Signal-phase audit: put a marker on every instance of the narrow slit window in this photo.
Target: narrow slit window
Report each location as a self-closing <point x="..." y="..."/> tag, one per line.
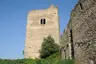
<point x="81" y="6"/>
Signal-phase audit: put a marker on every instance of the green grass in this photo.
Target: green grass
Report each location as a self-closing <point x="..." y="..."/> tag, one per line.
<point x="53" y="59"/>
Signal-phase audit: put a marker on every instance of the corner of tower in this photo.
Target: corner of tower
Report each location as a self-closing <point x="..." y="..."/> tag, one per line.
<point x="53" y="6"/>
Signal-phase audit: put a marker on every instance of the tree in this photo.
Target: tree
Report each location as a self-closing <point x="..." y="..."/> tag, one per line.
<point x="48" y="47"/>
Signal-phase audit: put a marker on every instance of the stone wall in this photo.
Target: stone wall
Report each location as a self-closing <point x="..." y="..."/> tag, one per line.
<point x="83" y="25"/>
<point x="64" y="41"/>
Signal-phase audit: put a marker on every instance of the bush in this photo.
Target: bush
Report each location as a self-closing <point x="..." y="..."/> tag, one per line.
<point x="49" y="47"/>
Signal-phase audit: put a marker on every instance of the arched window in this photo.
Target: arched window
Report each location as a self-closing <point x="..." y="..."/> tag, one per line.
<point x="43" y="21"/>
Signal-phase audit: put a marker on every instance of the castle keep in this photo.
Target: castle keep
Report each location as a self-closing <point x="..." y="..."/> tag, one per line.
<point x="40" y="24"/>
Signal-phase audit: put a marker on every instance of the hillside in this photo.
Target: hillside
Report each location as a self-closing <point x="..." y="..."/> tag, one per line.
<point x="53" y="59"/>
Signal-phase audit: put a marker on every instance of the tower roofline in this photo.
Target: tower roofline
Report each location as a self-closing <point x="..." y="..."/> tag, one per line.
<point x="53" y="6"/>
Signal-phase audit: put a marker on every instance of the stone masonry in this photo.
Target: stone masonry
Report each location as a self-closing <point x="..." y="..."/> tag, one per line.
<point x="40" y="24"/>
<point x="83" y="25"/>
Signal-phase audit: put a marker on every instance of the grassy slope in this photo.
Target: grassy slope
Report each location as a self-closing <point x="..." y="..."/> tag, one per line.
<point x="53" y="59"/>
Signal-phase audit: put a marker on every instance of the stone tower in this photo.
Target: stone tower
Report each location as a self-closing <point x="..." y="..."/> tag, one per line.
<point x="40" y="24"/>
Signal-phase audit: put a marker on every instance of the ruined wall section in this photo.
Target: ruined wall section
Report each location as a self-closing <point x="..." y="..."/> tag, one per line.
<point x="64" y="41"/>
<point x="83" y="18"/>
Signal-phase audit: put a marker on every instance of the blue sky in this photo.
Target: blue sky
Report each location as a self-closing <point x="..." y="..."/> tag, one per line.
<point x="13" y="16"/>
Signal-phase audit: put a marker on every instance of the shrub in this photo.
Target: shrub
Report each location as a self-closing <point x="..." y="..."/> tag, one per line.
<point x="49" y="47"/>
